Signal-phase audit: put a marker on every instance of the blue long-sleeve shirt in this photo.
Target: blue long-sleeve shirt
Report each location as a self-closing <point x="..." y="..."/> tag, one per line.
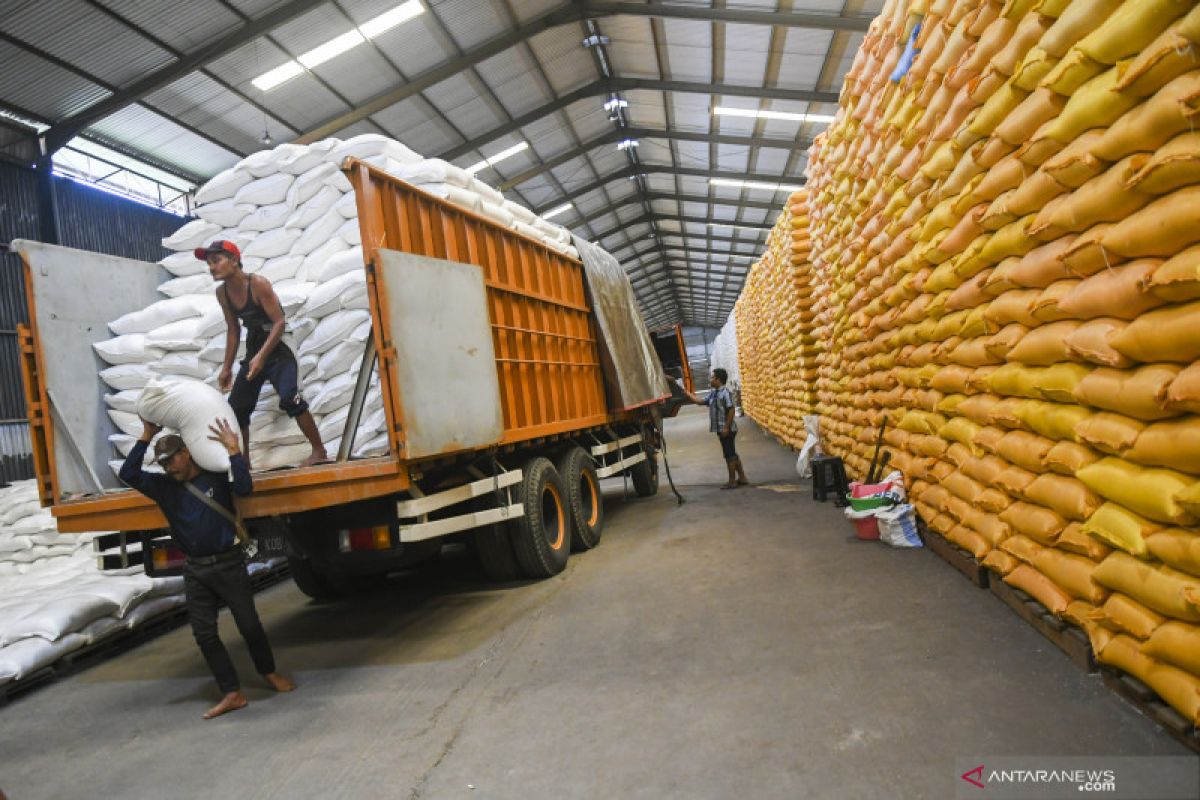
<point x="195" y="527"/>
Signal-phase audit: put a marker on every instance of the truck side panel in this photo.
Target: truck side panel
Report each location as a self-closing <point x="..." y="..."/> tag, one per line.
<point x="546" y="354"/>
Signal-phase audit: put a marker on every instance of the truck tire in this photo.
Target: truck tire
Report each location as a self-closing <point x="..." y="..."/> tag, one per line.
<point x="494" y="549"/>
<point x="644" y="474"/>
<point x="584" y="499"/>
<point x="541" y="539"/>
<point x="312" y="582"/>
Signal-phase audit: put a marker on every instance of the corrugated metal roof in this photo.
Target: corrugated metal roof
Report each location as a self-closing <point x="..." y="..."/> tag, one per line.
<point x="469" y="22"/>
<point x="184" y="26"/>
<point x="36" y="85"/>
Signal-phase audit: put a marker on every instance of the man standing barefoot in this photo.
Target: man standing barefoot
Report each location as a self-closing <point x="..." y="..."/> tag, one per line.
<point x="199" y="507"/>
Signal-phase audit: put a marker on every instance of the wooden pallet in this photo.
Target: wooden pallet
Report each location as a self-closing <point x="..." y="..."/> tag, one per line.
<point x="1142" y="697"/>
<point x="955" y="556"/>
<point x="1066" y="637"/>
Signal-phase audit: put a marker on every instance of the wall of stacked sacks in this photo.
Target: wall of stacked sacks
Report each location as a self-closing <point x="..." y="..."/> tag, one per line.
<point x="777" y="351"/>
<point x="1006" y="262"/>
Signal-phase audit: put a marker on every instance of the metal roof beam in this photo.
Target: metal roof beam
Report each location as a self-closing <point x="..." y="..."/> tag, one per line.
<point x="658" y="169"/>
<point x="648" y="133"/>
<point x="683" y="198"/>
<point x="598" y="8"/>
<point x="645" y="218"/>
<point x="603" y="88"/>
<point x="66" y="129"/>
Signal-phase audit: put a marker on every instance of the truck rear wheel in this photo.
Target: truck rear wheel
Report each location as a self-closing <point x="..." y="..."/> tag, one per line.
<point x="312" y="582"/>
<point x="584" y="499"/>
<point x="541" y="539"/>
<point x="644" y="474"/>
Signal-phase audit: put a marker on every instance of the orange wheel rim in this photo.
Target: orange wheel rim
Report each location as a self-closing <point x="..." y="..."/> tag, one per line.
<point x="559" y="523"/>
<point x="591" y="493"/>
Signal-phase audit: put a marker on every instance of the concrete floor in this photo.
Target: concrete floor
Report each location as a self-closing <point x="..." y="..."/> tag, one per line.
<point x="742" y="645"/>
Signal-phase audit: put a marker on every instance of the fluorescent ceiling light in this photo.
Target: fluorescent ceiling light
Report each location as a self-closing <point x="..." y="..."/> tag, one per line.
<point x="339" y="44"/>
<point x="769" y="187"/>
<point x="727" y="111"/>
<point x="615" y="103"/>
<point x="496" y="159"/>
<point x="625" y="144"/>
<point x="554" y="212"/>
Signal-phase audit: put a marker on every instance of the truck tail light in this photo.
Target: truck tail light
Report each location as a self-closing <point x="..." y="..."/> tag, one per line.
<point x="377" y="537"/>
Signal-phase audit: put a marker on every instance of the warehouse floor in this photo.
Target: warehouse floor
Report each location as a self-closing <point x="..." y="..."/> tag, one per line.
<point x="742" y="645"/>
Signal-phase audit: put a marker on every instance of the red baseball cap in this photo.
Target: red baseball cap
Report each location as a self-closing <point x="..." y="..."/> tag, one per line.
<point x="219" y="246"/>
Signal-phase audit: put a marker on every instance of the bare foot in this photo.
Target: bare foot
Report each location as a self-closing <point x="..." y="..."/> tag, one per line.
<point x="278" y="682"/>
<point x="230" y="702"/>
<point x="316" y="457"/>
<point x="729" y="486"/>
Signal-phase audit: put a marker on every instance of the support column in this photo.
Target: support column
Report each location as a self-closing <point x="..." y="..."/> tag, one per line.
<point x="48" y="229"/>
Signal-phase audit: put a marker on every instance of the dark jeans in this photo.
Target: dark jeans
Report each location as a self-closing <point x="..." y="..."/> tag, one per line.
<point x="283" y="372"/>
<point x="727" y="447"/>
<point x="206" y="586"/>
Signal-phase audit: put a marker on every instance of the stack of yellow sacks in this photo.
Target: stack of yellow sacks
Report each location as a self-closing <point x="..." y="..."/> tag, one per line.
<point x="777" y="362"/>
<point x="1005" y="261"/>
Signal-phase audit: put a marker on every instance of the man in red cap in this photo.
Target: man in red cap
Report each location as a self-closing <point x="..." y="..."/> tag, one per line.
<point x="249" y="300"/>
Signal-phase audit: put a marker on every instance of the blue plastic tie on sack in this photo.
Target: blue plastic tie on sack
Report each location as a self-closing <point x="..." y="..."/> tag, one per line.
<point x="908" y="56"/>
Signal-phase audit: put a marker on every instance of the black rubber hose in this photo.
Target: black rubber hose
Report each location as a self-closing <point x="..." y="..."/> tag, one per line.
<point x="666" y="463"/>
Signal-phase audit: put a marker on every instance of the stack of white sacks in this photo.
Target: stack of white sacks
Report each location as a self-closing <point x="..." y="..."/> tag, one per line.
<point x="293" y="214"/>
<point x="724" y="351"/>
<point x="53" y="598"/>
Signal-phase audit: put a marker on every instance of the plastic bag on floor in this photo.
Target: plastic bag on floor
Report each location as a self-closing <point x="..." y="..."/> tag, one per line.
<point x="812" y="446"/>
<point x="898" y="526"/>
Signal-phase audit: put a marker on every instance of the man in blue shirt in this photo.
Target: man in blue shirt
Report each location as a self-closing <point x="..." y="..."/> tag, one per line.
<point x="721" y="411"/>
<point x="215" y="571"/>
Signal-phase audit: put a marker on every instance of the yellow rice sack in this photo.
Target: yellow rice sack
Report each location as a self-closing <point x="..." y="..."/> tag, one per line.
<point x="1075" y="165"/>
<point x="1170" y="111"/>
<point x="1173" y="166"/>
<point x="1184" y="392"/>
<point x="1074" y="540"/>
<point x="1174" y="444"/>
<point x="1131" y="27"/>
<point x="1066" y="458"/>
<point x="1055" y="421"/>
<point x="1071" y="573"/>
<point x="1123" y="614"/>
<point x="1026" y="450"/>
<point x="1140" y="393"/>
<point x="1045" y="345"/>
<point x="1179" y="688"/>
<point x="1164" y="334"/>
<point x="1176" y="548"/>
<point x="1109" y="432"/>
<point x="1148" y="491"/>
<point x="968" y="540"/>
<point x="1168" y="591"/>
<point x="1096" y="104"/>
<point x="1039" y="587"/>
<point x="1076" y="21"/>
<point x="1163" y="228"/>
<point x="1000" y="562"/>
<point x="1176" y="643"/>
<point x="1120" y="528"/>
<point x="1113" y="292"/>
<point x="1058" y="382"/>
<point x="1090" y="342"/>
<point x="1068" y="497"/>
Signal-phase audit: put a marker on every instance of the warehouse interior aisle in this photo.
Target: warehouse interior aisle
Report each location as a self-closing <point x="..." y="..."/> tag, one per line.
<point x="740" y="645"/>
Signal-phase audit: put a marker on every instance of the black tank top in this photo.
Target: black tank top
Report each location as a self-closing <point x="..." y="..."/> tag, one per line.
<point x="255" y="320"/>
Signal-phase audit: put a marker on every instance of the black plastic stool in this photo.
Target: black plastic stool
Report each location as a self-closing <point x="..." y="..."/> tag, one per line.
<point x="829" y="475"/>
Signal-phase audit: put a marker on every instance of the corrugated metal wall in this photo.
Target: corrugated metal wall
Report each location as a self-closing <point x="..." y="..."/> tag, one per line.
<point x="89" y="219"/>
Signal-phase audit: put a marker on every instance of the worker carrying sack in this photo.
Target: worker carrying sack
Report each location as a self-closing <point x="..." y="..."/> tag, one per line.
<point x="248" y="545"/>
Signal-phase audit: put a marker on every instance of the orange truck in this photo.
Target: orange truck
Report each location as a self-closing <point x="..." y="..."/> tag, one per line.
<point x="514" y="379"/>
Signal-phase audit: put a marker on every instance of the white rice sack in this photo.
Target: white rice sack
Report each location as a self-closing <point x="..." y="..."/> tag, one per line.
<point x="191" y="235"/>
<point x="123" y="443"/>
<point x="187" y="334"/>
<point x="325" y="298"/>
<point x="58" y="617"/>
<point x="162" y="313"/>
<point x="309" y="184"/>
<point x="350" y="232"/>
<point x="300" y="327"/>
<point x="368" y="145"/>
<point x="150" y="608"/>
<point x="189" y="407"/>
<point x="126" y="423"/>
<point x="331" y="330"/>
<point x="339" y="181"/>
<point x="264" y="218"/>
<point x="201" y="283"/>
<point x="527" y="230"/>
<point x="227" y="213"/>
<point x="214" y="349"/>
<point x="282" y="430"/>
<point x="29" y="655"/>
<point x="486" y="193"/>
<point x="184" y="264"/>
<point x="282" y="268"/>
<point x="339" y="359"/>
<point x="296" y="159"/>
<point x="100" y="629"/>
<point x="183" y="364"/>
<point x="360" y="334"/>
<point x="464" y="198"/>
<point x="356" y="295"/>
<point x="127" y="376"/>
<point x="222" y="185"/>
<point x="264" y="419"/>
<point x="547" y="228"/>
<point x="276" y="457"/>
<point x="336" y="393"/>
<point x="336" y="264"/>
<point x="435" y="170"/>
<point x="252" y="263"/>
<point x="127" y="349"/>
<point x="123" y="401"/>
<point x="265" y="191"/>
<point x="260" y="164"/>
<point x="125" y="591"/>
<point x="347" y="206"/>
<point x="306" y="367"/>
<point x="498" y="214"/>
<point x="332" y="425"/>
<point x="312" y="209"/>
<point x="520" y="212"/>
<point x="375" y="446"/>
<point x="272" y="243"/>
<point x="292" y="296"/>
<point x="318" y="233"/>
<point x="314" y="262"/>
